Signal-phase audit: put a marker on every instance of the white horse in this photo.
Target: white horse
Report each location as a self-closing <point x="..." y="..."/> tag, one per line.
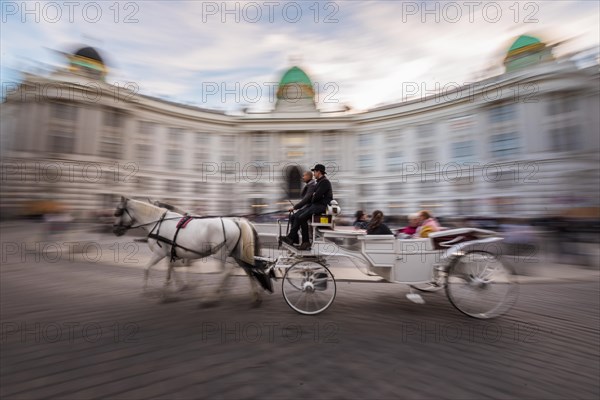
<point x="221" y="237"/>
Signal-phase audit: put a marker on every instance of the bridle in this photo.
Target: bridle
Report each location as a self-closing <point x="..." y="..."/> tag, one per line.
<point x="122" y="209"/>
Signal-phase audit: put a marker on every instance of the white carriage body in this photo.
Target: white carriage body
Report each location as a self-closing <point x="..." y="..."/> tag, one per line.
<point x="408" y="261"/>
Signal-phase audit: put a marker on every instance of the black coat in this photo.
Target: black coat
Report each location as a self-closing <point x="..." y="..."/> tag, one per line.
<point x="323" y="192"/>
<point x="380" y="230"/>
<point x="307" y="193"/>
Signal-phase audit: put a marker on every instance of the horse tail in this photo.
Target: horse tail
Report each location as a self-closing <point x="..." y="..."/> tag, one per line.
<point x="248" y="245"/>
<point x="256" y="241"/>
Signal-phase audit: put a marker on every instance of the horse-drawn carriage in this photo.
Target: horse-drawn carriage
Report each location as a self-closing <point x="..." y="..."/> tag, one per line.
<point x="465" y="262"/>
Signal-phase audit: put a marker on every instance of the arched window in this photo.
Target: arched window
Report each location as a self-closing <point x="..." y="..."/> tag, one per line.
<point x="294" y="182"/>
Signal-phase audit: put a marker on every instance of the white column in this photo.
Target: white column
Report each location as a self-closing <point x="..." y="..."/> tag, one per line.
<point x="89" y="130"/>
<point x="128" y="133"/>
<point x="160" y="158"/>
<point x="530" y="126"/>
<point x="43" y="119"/>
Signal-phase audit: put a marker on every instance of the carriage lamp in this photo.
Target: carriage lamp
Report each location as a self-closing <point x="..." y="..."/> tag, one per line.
<point x="333" y="208"/>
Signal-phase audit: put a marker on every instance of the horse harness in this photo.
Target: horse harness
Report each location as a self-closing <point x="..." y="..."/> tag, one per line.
<point x="183" y="222"/>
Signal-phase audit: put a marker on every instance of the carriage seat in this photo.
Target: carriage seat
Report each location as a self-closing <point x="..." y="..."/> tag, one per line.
<point x="447" y="238"/>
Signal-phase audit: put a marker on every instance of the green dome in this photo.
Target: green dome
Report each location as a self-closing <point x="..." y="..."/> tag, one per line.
<point x="523" y="41"/>
<point x="526" y="51"/>
<point x="295" y="75"/>
<point x="294" y="85"/>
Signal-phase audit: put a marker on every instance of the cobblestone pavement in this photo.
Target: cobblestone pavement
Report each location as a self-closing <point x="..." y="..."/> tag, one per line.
<point x="76" y="330"/>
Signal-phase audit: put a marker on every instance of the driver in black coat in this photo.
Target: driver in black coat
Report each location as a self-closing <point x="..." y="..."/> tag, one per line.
<point x="307" y="192"/>
<point x="318" y="205"/>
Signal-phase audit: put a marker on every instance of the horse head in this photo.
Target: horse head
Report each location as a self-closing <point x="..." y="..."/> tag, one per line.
<point x="124" y="219"/>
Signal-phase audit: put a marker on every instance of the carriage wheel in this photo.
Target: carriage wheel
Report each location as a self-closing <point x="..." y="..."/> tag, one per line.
<point x="308" y="287"/>
<point x="481" y="286"/>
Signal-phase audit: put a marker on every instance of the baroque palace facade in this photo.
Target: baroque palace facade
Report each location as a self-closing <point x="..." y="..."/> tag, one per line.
<point x="524" y="143"/>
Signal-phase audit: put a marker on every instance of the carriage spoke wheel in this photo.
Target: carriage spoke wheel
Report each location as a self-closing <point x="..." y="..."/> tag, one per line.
<point x="308" y="287"/>
<point x="481" y="286"/>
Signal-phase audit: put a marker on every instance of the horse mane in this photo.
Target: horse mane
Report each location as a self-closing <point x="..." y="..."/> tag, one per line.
<point x="147" y="209"/>
<point x="169" y="207"/>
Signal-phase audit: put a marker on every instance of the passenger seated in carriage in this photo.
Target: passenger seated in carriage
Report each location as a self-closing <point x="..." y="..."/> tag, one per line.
<point x="376" y="225"/>
<point x="360" y="221"/>
<point x="427" y="225"/>
<point x="413" y="224"/>
<point x="320" y="200"/>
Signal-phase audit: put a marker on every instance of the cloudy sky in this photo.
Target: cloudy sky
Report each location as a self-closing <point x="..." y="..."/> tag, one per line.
<point x="227" y="55"/>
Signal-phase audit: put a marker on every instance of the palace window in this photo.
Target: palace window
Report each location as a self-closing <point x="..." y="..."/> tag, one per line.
<point x="394" y="154"/>
<point x="111" y="145"/>
<point x="202" y="151"/>
<point x="111" y="140"/>
<point x="61" y="141"/>
<point x="561" y="104"/>
<point x="144" y="148"/>
<point x="394" y="159"/>
<point x="563" y="123"/>
<point x="174" y="158"/>
<point x="64" y="111"/>
<point x="502" y="113"/>
<point x="504" y="145"/>
<point x="175" y="135"/>
<point x="427" y="156"/>
<point x="365" y="140"/>
<point x="425" y="131"/>
<point x="504" y="137"/>
<point x="366" y="163"/>
<point x="463" y="150"/>
<point x="113" y="119"/>
<point x="144" y="152"/>
<point x="146" y="128"/>
<point x="330" y="148"/>
<point x="565" y="139"/>
<point x="63" y="127"/>
<point x="259" y="147"/>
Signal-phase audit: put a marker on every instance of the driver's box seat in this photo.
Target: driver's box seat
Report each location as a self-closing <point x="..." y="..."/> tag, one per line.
<point x="325" y="220"/>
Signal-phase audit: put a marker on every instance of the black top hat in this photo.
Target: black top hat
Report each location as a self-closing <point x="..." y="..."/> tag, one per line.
<point x="319" y="167"/>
